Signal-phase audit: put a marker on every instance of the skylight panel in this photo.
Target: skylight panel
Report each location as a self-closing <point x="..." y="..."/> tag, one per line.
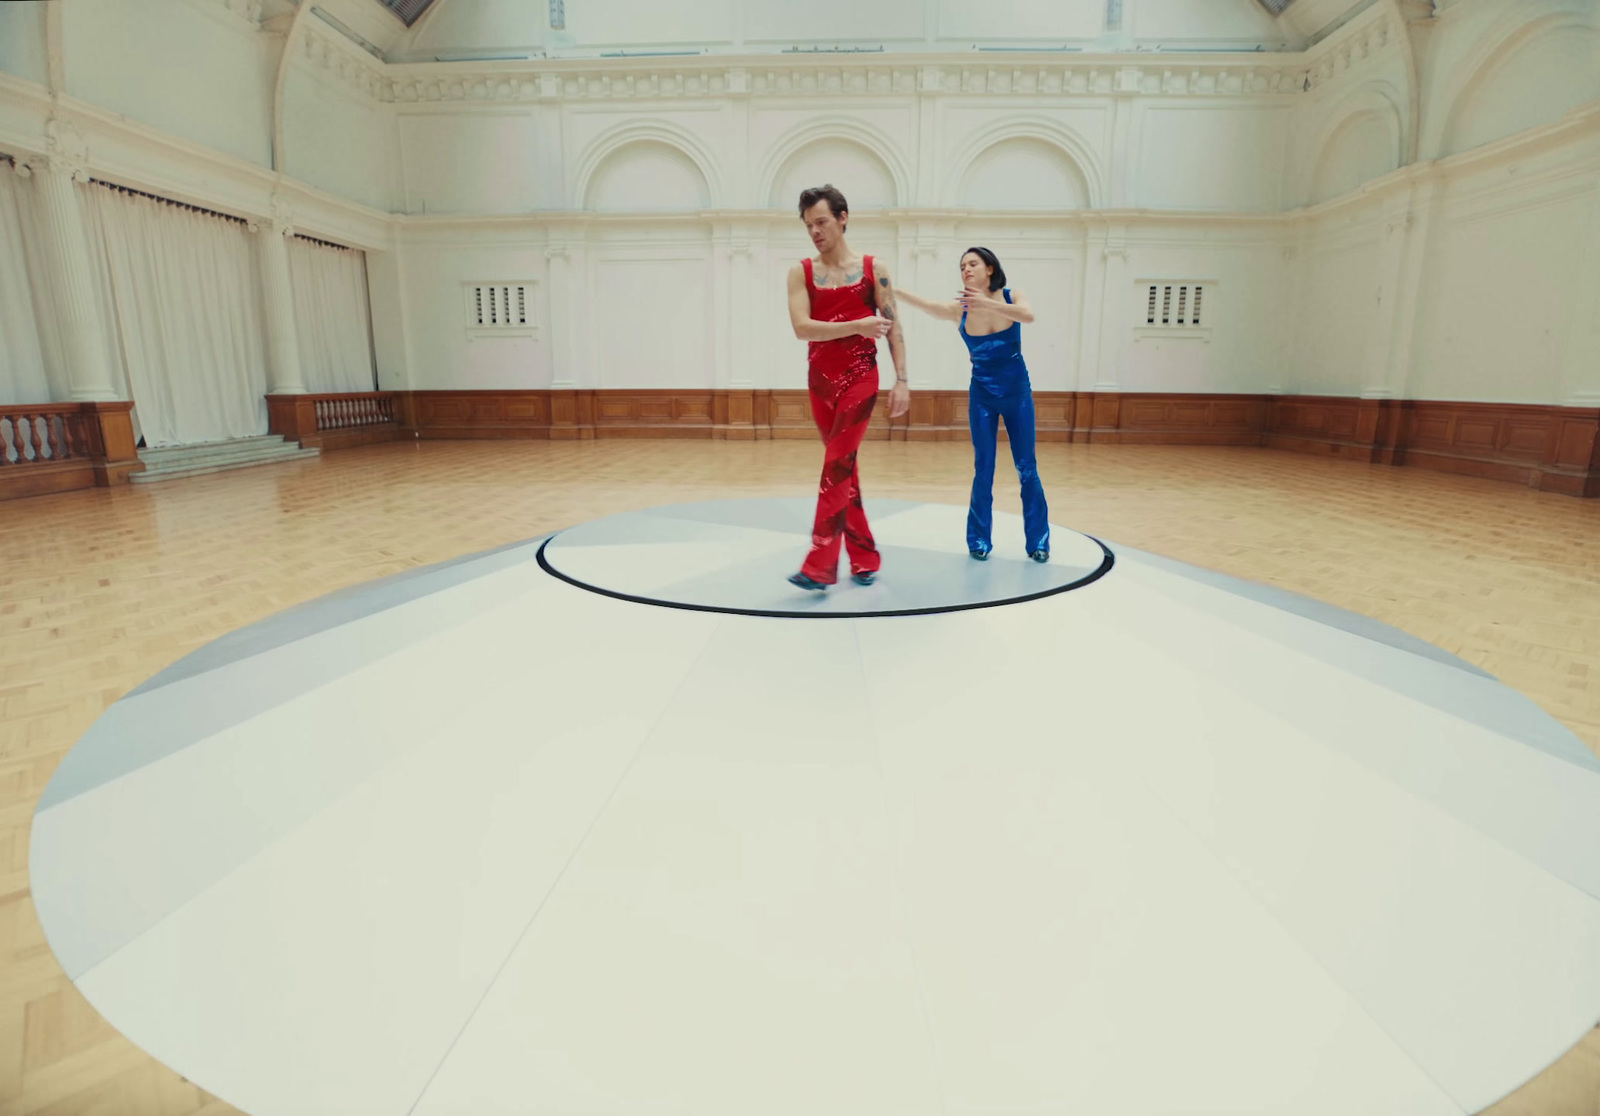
<point x="407" y="10"/>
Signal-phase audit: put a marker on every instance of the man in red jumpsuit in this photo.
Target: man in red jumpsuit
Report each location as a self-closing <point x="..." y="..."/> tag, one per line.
<point x="842" y="303"/>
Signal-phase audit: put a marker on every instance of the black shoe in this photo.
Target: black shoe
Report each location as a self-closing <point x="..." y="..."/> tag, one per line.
<point x="865" y="577"/>
<point x="1040" y="556"/>
<point x="805" y="582"/>
<point x="980" y="555"/>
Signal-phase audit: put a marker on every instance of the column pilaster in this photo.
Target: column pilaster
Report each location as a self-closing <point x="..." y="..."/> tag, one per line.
<point x="284" y="373"/>
<point x="71" y="271"/>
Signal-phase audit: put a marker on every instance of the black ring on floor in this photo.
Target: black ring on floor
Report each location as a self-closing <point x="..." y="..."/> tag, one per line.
<point x="1100" y="571"/>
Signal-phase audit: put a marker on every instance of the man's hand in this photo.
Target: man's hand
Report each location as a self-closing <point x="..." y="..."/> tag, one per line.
<point x="899" y="399"/>
<point x="874" y="327"/>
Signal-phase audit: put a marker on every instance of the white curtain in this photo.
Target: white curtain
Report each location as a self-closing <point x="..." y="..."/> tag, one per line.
<point x="184" y="297"/>
<point x="25" y="376"/>
<point x="331" y="316"/>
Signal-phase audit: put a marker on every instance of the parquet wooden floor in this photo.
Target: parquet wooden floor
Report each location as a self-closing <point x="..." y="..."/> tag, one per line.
<point x="100" y="589"/>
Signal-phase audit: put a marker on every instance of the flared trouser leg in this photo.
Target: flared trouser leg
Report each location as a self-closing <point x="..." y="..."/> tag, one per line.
<point x="842" y="421"/>
<point x="1021" y="431"/>
<point x="983" y="419"/>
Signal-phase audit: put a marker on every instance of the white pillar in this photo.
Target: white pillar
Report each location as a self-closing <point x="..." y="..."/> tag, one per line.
<point x="66" y="244"/>
<point x="746" y="290"/>
<point x="1091" y="305"/>
<point x="566" y="271"/>
<point x="1580" y="366"/>
<point x="1106" y="295"/>
<point x="1406" y="237"/>
<point x="723" y="314"/>
<point x="284" y="374"/>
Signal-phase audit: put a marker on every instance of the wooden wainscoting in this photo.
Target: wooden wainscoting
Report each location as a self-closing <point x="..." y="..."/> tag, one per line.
<point x="1499" y="441"/>
<point x="1170" y="419"/>
<point x="1556" y="449"/>
<point x="1362" y="429"/>
<point x="732" y="415"/>
<point x="1553" y="448"/>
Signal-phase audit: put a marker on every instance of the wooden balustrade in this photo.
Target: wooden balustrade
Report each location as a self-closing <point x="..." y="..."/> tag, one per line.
<point x="345" y="412"/>
<point x="40" y="434"/>
<point x="58" y="447"/>
<point x="337" y="420"/>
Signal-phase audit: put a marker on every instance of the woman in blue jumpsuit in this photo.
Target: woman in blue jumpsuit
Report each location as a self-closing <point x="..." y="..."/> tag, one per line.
<point x="991" y="318"/>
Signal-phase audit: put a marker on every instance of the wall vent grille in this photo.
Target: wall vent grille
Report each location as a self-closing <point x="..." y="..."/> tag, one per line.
<point x="500" y="309"/>
<point x="1174" y="308"/>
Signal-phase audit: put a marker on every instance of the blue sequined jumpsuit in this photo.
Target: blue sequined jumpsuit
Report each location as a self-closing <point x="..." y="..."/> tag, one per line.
<point x="1000" y="389"/>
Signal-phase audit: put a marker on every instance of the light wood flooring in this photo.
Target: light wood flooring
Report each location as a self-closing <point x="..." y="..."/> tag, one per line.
<point x="100" y="589"/>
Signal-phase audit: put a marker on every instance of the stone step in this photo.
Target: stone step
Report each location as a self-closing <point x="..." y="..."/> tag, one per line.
<point x="217" y="457"/>
<point x="265" y="453"/>
<point x="233" y="445"/>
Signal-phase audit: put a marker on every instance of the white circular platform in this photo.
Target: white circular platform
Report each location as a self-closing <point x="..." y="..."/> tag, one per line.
<point x="477" y="840"/>
<point x="737" y="555"/>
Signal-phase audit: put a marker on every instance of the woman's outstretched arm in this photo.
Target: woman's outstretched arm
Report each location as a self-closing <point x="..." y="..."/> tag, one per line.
<point x="949" y="311"/>
<point x="1018" y="309"/>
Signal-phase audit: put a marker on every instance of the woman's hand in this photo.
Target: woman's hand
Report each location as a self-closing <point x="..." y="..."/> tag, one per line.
<point x="972" y="298"/>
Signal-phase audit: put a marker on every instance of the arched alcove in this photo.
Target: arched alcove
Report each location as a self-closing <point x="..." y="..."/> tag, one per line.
<point x="1364" y="146"/>
<point x="1023" y="173"/>
<point x="858" y="171"/>
<point x="1527" y="83"/>
<point x="647" y="175"/>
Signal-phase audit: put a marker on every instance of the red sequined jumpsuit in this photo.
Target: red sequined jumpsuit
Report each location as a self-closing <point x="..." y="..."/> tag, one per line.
<point x="844" y="389"/>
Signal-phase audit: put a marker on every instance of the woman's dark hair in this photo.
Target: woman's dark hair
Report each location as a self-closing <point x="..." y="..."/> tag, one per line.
<point x="828" y="193"/>
<point x="998" y="279"/>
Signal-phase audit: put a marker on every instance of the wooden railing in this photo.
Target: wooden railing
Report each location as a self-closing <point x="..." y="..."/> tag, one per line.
<point x="347" y="412"/>
<point x="44" y="434"/>
<point x="57" y="447"/>
<point x="338" y="421"/>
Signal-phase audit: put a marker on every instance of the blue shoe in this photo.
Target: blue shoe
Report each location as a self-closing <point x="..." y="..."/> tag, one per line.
<point x="1040" y="556"/>
<point x="865" y="577"/>
<point x="805" y="582"/>
<point x="981" y="553"/>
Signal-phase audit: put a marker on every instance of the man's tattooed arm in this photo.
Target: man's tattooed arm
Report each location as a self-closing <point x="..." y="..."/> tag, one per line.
<point x="888" y="308"/>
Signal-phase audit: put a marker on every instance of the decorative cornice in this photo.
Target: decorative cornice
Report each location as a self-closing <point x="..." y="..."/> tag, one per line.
<point x="1351" y="50"/>
<point x="1022" y="75"/>
<point x="345" y="62"/>
<point x="1180" y="76"/>
<point x="66" y="151"/>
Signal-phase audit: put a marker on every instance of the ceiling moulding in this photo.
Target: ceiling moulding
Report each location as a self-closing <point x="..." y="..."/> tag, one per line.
<point x="344" y="61"/>
<point x="1246" y="74"/>
<point x="1355" y="43"/>
<point x="1243" y="75"/>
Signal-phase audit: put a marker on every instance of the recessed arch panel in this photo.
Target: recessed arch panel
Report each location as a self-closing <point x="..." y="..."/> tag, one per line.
<point x="861" y="174"/>
<point x="1530" y="81"/>
<point x="1023" y="173"/>
<point x="647" y="176"/>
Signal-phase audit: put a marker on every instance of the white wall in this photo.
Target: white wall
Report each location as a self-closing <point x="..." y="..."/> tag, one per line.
<point x="478" y="28"/>
<point x="438" y="265"/>
<point x="22" y="40"/>
<point x="337" y="135"/>
<point x="1491" y="245"/>
<point x="192" y="68"/>
<point x="1362" y="220"/>
<point x="1499" y="287"/>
